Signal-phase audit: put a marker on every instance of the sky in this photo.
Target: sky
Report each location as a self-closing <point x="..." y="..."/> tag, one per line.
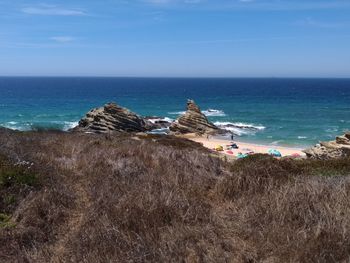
<point x="175" y="38"/>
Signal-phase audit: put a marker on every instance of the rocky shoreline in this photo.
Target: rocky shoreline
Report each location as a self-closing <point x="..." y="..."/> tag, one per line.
<point x="112" y="118"/>
<point x="340" y="148"/>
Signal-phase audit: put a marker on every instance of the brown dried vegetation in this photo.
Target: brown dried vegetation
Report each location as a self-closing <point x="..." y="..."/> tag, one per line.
<point x="161" y="199"/>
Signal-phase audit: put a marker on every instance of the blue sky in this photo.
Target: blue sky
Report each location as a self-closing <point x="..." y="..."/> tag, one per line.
<point x="209" y="38"/>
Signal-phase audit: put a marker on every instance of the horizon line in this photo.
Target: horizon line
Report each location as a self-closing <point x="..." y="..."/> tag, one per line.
<point x="169" y="77"/>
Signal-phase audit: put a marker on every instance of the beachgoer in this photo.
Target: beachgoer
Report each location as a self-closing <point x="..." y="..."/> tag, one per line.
<point x="231" y="137"/>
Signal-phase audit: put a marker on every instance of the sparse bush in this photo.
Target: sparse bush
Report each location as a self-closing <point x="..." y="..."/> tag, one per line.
<point x="16" y="181"/>
<point x="17" y="177"/>
<point x="5" y="221"/>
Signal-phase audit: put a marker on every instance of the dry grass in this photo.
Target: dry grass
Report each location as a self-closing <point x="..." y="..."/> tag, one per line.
<point x="156" y="199"/>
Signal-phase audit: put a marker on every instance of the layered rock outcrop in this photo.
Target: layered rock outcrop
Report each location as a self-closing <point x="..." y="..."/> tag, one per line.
<point x="193" y="121"/>
<point x="112" y="118"/>
<point x="331" y="150"/>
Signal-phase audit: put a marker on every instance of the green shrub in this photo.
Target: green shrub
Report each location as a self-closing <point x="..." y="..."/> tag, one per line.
<point x="9" y="199"/>
<point x="5" y="221"/>
<point x="16" y="176"/>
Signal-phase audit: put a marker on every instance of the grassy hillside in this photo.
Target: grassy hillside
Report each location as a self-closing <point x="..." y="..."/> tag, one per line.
<point x="87" y="198"/>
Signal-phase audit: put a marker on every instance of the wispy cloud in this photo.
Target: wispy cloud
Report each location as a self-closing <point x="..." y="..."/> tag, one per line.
<point x="263" y="5"/>
<point x="52" y="11"/>
<point x="164" y="2"/>
<point x="62" y="39"/>
<point x="321" y="24"/>
<point x="157" y="15"/>
<point x="287" y="5"/>
<point x="193" y="1"/>
<point x="159" y="1"/>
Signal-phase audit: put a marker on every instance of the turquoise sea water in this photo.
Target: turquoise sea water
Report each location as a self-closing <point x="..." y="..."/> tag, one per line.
<point x="294" y="112"/>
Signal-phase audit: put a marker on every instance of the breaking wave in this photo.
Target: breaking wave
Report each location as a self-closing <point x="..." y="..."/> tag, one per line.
<point x="34" y="126"/>
<point x="302" y="137"/>
<point x="70" y="125"/>
<point x="162" y="131"/>
<point x="214" y="113"/>
<point x="177" y="112"/>
<point x="239" y="128"/>
<point x="208" y="112"/>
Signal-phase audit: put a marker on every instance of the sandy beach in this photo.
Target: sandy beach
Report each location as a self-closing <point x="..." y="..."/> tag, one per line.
<point x="244" y="147"/>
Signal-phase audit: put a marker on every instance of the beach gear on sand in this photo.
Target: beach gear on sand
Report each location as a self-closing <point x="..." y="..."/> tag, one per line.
<point x="219" y="148"/>
<point x="229" y="152"/>
<point x="295" y="156"/>
<point x="242" y="155"/>
<point x="231" y="146"/>
<point x="274" y="153"/>
<point x="234" y="146"/>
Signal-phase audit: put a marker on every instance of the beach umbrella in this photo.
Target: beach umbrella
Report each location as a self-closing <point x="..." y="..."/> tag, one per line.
<point x="274" y="153"/>
<point x="242" y="155"/>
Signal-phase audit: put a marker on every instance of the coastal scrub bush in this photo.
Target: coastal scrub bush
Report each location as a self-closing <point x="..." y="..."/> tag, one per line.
<point x="17" y="176"/>
<point x="16" y="181"/>
<point x="336" y="167"/>
<point x="5" y="221"/>
<point x="135" y="198"/>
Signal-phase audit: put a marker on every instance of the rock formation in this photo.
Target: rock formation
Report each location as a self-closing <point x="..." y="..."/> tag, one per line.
<point x="193" y="121"/>
<point x="112" y="118"/>
<point x="331" y="150"/>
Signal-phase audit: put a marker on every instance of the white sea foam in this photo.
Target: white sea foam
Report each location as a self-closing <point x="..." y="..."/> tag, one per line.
<point x="236" y="131"/>
<point x="27" y="126"/>
<point x="240" y="125"/>
<point x="162" y="131"/>
<point x="239" y="128"/>
<point x="214" y="113"/>
<point x="70" y="125"/>
<point x="332" y="129"/>
<point x="168" y="119"/>
<point x="13" y="125"/>
<point x="302" y="137"/>
<point x="177" y="112"/>
<point x="277" y="142"/>
<point x="208" y="112"/>
<point x="12" y="122"/>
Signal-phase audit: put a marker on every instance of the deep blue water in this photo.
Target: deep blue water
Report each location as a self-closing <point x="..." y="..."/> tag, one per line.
<point x="286" y="111"/>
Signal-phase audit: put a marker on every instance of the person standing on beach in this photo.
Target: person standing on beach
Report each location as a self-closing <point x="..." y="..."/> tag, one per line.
<point x="231" y="136"/>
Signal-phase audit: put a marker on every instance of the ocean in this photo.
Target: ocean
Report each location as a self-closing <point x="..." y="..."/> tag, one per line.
<point x="288" y="112"/>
